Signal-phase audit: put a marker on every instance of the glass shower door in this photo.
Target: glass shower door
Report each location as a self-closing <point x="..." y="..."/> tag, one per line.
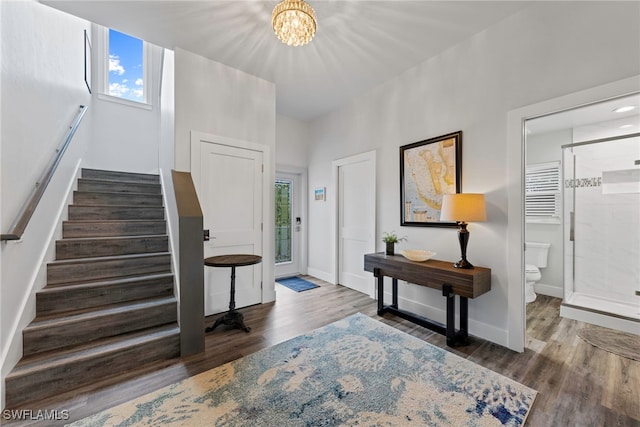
<point x="601" y="198"/>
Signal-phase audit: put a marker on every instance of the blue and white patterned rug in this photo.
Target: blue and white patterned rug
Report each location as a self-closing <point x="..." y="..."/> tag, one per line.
<point x="354" y="372"/>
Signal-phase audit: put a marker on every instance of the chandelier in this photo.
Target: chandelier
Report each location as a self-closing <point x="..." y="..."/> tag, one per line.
<point x="294" y="22"/>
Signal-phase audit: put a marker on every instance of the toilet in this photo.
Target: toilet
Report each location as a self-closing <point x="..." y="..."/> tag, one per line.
<point x="535" y="258"/>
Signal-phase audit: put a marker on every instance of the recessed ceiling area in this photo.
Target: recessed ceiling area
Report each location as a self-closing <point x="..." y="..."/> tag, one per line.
<point x="358" y="44"/>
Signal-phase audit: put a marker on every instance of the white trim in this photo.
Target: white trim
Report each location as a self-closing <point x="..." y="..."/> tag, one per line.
<point x="515" y="189"/>
<point x="170" y="231"/>
<point x="369" y="156"/>
<point x="124" y="101"/>
<point x="611" y="322"/>
<point x="549" y="290"/>
<point x="268" y="279"/>
<point x="322" y="275"/>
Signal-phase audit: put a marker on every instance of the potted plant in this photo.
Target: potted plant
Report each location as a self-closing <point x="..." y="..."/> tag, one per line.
<point x="390" y="239"/>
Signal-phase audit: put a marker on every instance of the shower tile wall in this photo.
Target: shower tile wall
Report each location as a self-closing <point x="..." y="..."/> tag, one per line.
<point x="607" y="226"/>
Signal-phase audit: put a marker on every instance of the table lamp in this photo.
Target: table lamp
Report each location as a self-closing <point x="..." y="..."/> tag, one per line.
<point x="463" y="207"/>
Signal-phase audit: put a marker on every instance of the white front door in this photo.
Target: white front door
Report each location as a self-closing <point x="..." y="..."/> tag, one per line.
<point x="228" y="180"/>
<point x="356" y="220"/>
<point x="288" y="224"/>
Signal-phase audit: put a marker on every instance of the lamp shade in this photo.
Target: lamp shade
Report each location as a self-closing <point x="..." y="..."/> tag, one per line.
<point x="463" y="207"/>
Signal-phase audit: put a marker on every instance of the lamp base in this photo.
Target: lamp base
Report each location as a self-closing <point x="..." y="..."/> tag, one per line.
<point x="463" y="263"/>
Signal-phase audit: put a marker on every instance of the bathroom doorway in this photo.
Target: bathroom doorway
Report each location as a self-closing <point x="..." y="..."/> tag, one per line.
<point x="553" y="143"/>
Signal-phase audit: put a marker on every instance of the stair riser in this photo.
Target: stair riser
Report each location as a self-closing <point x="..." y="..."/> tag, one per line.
<point x="110" y="229"/>
<point x="86" y="330"/>
<point x="116" y="199"/>
<point x="117" y="187"/>
<point x="120" y="176"/>
<point x="102" y="269"/>
<point x="87" y="297"/>
<point x="110" y="247"/>
<point x="80" y="213"/>
<point x="41" y="384"/>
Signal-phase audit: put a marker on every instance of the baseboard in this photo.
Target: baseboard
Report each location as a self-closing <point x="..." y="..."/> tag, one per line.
<point x="319" y="274"/>
<point x="438" y="314"/>
<point x="549" y="290"/>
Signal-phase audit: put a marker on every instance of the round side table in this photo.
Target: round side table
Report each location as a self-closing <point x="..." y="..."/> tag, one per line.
<point x="232" y="317"/>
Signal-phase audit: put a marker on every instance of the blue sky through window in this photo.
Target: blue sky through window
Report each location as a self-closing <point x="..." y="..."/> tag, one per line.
<point x="125" y="67"/>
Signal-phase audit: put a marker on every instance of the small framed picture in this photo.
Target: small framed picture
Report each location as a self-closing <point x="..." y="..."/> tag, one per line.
<point x="320" y="193"/>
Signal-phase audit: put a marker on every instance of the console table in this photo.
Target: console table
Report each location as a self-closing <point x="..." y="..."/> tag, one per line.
<point x="441" y="275"/>
<point x="232" y="317"/>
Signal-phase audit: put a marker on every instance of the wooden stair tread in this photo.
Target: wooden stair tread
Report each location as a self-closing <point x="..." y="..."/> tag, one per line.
<point x="150" y="185"/>
<point x="107" y="238"/>
<point x="56" y="357"/>
<point x="112" y="221"/>
<point x="94" y="312"/>
<point x="107" y="258"/>
<point x="65" y="287"/>
<point x="118" y="176"/>
<point x="109" y="305"/>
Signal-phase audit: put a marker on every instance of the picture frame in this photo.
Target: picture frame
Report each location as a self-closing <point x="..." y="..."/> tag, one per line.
<point x="87" y="60"/>
<point x="428" y="170"/>
<point x="320" y="194"/>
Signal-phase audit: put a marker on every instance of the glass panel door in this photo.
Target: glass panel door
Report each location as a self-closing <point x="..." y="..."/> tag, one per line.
<point x="602" y="228"/>
<point x="283" y="248"/>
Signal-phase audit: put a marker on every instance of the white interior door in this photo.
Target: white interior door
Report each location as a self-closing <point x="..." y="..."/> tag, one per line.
<point x="229" y="184"/>
<point x="288" y="224"/>
<point x="356" y="220"/>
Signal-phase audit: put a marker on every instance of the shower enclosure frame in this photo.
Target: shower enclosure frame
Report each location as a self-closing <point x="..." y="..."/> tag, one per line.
<point x="582" y="306"/>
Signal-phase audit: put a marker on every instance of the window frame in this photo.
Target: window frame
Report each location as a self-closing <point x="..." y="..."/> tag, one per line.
<point x="102" y="37"/>
<point x="556" y="216"/>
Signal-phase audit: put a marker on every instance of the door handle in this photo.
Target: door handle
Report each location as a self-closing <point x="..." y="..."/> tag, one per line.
<point x="572" y="225"/>
<point x="206" y="236"/>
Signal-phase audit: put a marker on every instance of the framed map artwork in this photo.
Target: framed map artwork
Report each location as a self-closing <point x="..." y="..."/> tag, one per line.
<point x="428" y="170"/>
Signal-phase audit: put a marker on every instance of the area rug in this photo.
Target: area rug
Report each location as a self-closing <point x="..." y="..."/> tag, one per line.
<point x="354" y="372"/>
<point x="297" y="283"/>
<point x="620" y="343"/>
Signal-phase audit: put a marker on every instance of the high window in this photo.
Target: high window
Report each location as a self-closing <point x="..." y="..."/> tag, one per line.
<point x="125" y="75"/>
<point x="126" y="67"/>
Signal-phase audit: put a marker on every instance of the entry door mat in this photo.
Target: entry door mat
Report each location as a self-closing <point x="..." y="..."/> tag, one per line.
<point x="354" y="372"/>
<point x="297" y="283"/>
<point x="621" y="343"/>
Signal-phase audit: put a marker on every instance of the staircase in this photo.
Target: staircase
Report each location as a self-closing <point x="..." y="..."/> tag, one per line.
<point x="108" y="306"/>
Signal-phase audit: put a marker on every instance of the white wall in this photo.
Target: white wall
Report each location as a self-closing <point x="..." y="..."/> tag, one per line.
<point x="547" y="50"/>
<point x="542" y="148"/>
<point x="292" y="138"/>
<point x="42" y="88"/>
<point x="213" y="98"/>
<point x="120" y="128"/>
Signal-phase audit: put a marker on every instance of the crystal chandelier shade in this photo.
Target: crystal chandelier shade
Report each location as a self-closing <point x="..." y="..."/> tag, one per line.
<point x="294" y="22"/>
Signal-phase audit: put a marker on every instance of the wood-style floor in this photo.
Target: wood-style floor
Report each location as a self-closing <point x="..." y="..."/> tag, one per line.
<point x="578" y="384"/>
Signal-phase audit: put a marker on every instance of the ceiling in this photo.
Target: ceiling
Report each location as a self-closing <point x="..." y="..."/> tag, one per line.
<point x="599" y="115"/>
<point x="358" y="45"/>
